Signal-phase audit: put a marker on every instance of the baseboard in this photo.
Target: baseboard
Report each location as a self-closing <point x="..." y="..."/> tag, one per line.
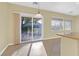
<point x="5" y="48"/>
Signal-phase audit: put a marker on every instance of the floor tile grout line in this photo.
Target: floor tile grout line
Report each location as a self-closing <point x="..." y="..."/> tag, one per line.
<point x="29" y="50"/>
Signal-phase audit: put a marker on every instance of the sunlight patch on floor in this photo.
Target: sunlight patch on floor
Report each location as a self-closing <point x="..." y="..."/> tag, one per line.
<point x="38" y="49"/>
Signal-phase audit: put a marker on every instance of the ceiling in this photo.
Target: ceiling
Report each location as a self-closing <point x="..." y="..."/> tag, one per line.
<point x="69" y="8"/>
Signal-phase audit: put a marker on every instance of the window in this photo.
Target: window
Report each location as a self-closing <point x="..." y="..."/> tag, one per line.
<point x="67" y="25"/>
<point x="57" y="24"/>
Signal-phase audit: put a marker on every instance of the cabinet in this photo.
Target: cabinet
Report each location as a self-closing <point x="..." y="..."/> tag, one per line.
<point x="52" y="46"/>
<point x="61" y="47"/>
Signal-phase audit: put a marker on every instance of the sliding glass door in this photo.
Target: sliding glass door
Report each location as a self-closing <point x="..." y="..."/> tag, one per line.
<point x="37" y="28"/>
<point x="31" y="29"/>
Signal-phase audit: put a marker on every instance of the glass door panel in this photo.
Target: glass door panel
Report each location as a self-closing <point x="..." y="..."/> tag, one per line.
<point x="37" y="28"/>
<point x="26" y="29"/>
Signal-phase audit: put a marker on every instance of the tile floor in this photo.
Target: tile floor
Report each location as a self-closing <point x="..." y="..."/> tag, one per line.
<point x="38" y="49"/>
<point x="31" y="49"/>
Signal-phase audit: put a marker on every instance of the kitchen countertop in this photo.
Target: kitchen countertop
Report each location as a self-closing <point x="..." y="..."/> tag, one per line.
<point x="70" y="35"/>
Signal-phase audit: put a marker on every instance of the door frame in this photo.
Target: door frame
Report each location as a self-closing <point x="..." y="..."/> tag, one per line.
<point x="31" y="15"/>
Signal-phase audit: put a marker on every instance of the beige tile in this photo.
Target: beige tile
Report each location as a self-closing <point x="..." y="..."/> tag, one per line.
<point x="23" y="51"/>
<point x="38" y="49"/>
<point x="16" y="50"/>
